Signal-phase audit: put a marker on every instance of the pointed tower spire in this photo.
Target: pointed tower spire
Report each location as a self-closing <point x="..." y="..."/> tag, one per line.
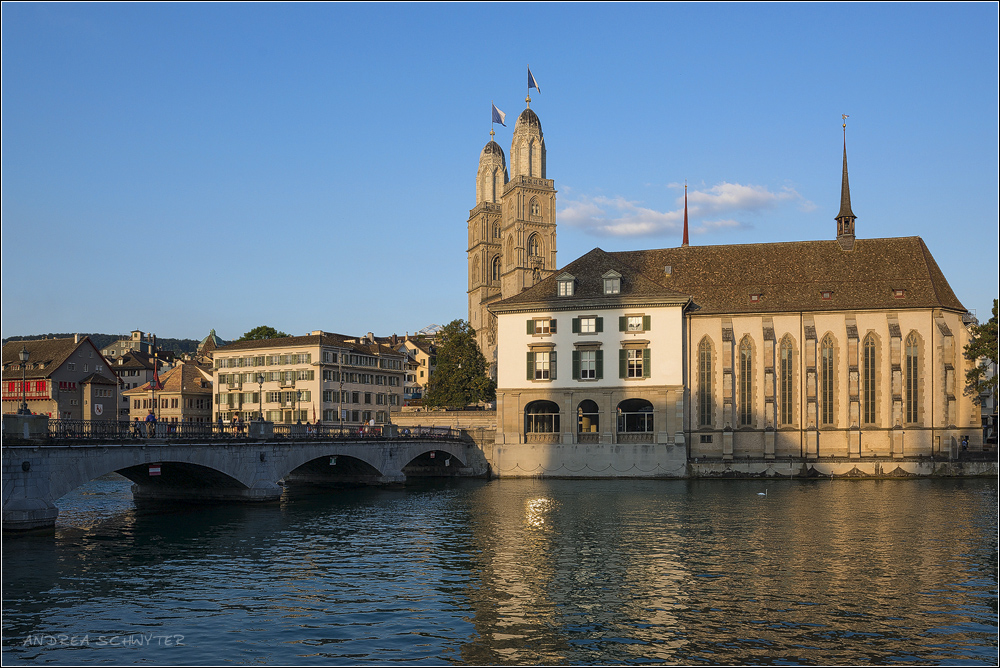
<point x="845" y="219"/>
<point x="685" y="241"/>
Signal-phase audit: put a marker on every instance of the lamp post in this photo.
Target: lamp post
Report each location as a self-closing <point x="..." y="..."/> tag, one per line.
<point x="260" y="397"/>
<point x="298" y="406"/>
<point x="24" y="355"/>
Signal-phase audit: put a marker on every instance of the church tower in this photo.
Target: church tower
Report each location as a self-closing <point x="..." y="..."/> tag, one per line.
<point x="845" y="219"/>
<point x="512" y="229"/>
<point x="484" y="254"/>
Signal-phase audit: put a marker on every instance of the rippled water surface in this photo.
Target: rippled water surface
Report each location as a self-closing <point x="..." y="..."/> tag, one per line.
<point x="517" y="571"/>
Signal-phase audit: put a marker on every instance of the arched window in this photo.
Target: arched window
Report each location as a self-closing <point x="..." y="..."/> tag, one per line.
<point x="541" y="417"/>
<point x="476" y="278"/>
<point x="912" y="382"/>
<point x="826" y="370"/>
<point x="533" y="246"/>
<point x="705" y="382"/>
<point x="635" y="416"/>
<point x="509" y="251"/>
<point x="495" y="274"/>
<point x="746" y="382"/>
<point x="787" y="373"/>
<point x="493" y="186"/>
<point x="531" y="158"/>
<point x="588" y="417"/>
<point x="868" y="380"/>
<point x="534" y="208"/>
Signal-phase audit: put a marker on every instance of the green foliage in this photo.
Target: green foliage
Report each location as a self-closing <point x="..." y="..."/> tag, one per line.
<point x="982" y="350"/>
<point x="460" y="377"/>
<point x="262" y="332"/>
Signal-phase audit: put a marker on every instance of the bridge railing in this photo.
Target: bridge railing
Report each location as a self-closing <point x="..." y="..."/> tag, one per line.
<point x="61" y="431"/>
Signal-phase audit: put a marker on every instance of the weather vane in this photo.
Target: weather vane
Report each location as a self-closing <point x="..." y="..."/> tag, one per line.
<point x="844" y="118"/>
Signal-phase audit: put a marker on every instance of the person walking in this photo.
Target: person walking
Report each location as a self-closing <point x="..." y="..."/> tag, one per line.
<point x="150" y="424"/>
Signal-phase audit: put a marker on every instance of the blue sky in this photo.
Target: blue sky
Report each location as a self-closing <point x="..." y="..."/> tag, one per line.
<point x="181" y="167"/>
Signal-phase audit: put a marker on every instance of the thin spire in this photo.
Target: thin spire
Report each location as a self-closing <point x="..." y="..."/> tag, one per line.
<point x="685" y="241"/>
<point x="845" y="188"/>
<point x="845" y="219"/>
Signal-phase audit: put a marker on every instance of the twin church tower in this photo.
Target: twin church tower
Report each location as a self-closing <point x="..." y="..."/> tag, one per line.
<point x="512" y="229"/>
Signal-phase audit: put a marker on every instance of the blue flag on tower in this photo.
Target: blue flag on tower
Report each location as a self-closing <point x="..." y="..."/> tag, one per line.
<point x="532" y="83"/>
<point x="498" y="116"/>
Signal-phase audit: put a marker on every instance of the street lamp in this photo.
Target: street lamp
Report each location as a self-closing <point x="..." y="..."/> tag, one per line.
<point x="260" y="397"/>
<point x="298" y="406"/>
<point x="24" y="355"/>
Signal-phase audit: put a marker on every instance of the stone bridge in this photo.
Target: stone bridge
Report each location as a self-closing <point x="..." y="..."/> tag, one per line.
<point x="35" y="476"/>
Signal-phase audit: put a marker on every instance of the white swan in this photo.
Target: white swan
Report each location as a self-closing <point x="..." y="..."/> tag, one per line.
<point x="764" y="493"/>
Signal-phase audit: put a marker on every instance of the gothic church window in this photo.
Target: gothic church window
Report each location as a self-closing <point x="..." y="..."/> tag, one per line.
<point x="495" y="275"/>
<point x="785" y="380"/>
<point x="533" y="246"/>
<point x="534" y="208"/>
<point x="705" y="383"/>
<point x="868" y="380"/>
<point x="912" y="378"/>
<point x="826" y="371"/>
<point x="746" y="382"/>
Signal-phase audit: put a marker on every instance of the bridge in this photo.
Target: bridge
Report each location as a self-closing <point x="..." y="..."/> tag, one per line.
<point x="198" y="462"/>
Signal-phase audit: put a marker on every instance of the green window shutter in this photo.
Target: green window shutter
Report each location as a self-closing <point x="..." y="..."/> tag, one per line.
<point x="645" y="363"/>
<point x="621" y="326"/>
<point x="552" y="325"/>
<point x="645" y="322"/>
<point x="531" y="327"/>
<point x="531" y="365"/>
<point x="576" y="325"/>
<point x="552" y="364"/>
<point x="576" y="362"/>
<point x="622" y="362"/>
<point x="600" y="324"/>
<point x="599" y="364"/>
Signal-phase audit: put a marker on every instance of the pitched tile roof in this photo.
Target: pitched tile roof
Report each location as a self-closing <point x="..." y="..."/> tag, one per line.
<point x="325" y="339"/>
<point x="44" y="355"/>
<point x="185" y="378"/>
<point x="787" y="277"/>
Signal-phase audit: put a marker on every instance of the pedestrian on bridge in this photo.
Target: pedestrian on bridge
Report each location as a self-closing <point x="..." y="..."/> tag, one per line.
<point x="151" y="424"/>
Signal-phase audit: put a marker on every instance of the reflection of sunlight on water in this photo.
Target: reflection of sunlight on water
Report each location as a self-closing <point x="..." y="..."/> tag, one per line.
<point x="534" y="514"/>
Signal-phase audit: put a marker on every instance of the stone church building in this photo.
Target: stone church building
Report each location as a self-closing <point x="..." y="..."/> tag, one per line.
<point x="844" y="353"/>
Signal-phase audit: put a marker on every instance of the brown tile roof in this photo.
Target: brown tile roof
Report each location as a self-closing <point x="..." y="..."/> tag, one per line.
<point x="325" y="339"/>
<point x="44" y="355"/>
<point x="788" y="277"/>
<point x="184" y="378"/>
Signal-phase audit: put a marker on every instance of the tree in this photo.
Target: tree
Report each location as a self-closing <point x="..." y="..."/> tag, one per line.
<point x="262" y="332"/>
<point x="460" y="377"/>
<point x="982" y="350"/>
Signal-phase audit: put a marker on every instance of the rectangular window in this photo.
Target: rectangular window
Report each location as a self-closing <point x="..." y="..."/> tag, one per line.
<point x="612" y="286"/>
<point x="565" y="288"/>
<point x="634" y="366"/>
<point x="588" y="365"/>
<point x="542" y="369"/>
<point x="542" y="326"/>
<point x="706" y="438"/>
<point x="587" y="325"/>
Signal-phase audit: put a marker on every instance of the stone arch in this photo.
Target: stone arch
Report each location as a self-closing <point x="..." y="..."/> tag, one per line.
<point x="588" y="417"/>
<point x="541" y="417"/>
<point x="635" y="416"/>
<point x="495" y="269"/>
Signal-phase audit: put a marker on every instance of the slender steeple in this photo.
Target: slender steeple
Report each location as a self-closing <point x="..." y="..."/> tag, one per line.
<point x="845" y="219"/>
<point x="685" y="241"/>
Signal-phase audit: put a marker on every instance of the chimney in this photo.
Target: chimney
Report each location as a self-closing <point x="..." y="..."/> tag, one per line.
<point x="76" y="338"/>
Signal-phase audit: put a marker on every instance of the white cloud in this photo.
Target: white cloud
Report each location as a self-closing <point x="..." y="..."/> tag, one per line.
<point x="722" y="206"/>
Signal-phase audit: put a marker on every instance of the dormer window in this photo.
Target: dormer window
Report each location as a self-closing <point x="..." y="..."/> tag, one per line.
<point x="899" y="293"/>
<point x="612" y="282"/>
<point x="826" y="295"/>
<point x="565" y="283"/>
<point x="754" y="297"/>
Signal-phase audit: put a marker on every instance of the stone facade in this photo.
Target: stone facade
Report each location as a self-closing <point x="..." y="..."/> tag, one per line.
<point x="512" y="229"/>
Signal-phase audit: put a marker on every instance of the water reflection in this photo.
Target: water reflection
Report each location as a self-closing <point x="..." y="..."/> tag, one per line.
<point x="524" y="571"/>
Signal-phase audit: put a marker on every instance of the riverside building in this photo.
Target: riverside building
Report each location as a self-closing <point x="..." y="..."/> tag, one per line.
<point x="642" y="363"/>
<point x="321" y="377"/>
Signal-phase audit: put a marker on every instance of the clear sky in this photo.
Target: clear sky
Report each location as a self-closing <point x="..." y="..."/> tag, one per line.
<point x="181" y="167"/>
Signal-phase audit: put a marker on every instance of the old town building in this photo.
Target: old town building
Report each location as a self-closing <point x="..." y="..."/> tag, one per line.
<point x="641" y="362"/>
<point x="321" y="377"/>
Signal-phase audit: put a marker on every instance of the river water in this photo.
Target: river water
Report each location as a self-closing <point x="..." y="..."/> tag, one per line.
<point x="517" y="571"/>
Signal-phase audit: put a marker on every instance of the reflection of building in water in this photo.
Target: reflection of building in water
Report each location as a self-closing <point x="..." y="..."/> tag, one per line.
<point x="845" y="348"/>
<point x="552" y="569"/>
